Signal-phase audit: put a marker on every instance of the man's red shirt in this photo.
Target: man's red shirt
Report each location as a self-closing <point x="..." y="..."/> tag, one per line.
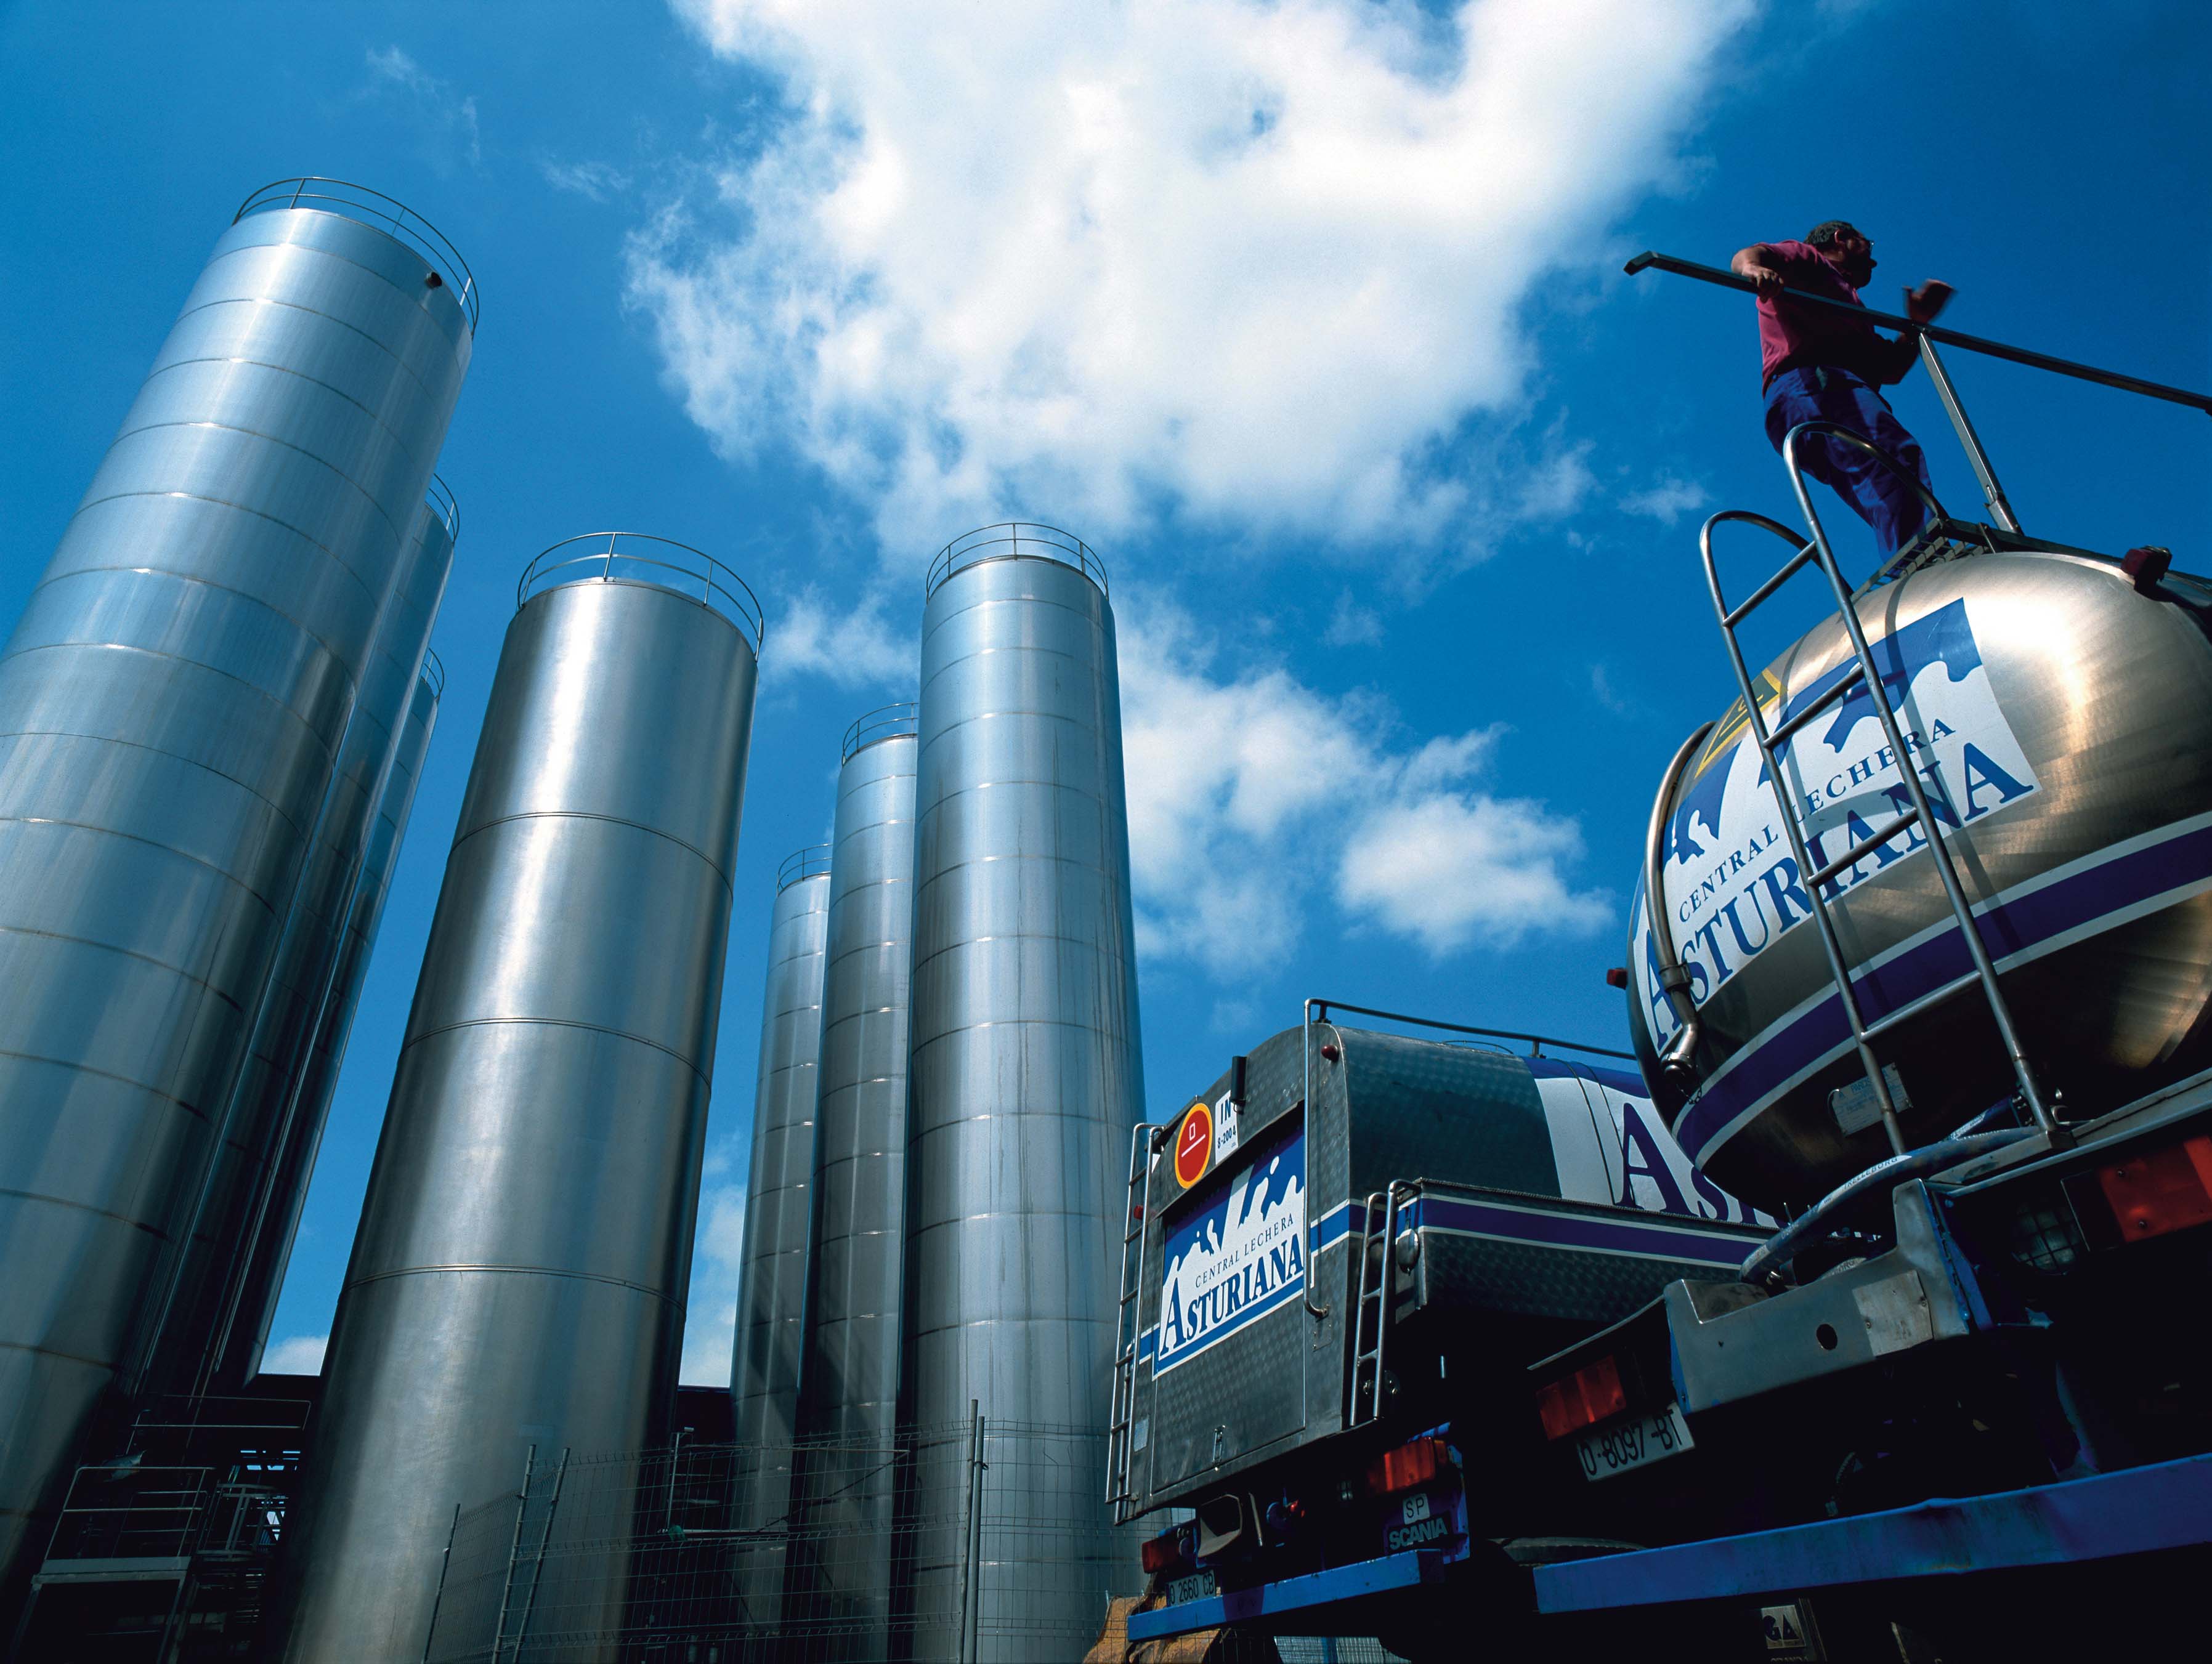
<point x="1793" y="335"/>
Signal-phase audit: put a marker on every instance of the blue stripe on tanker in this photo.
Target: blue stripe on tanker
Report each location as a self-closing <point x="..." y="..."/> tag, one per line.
<point x="2098" y="892"/>
<point x="1449" y="1216"/>
<point x="1536" y="1224"/>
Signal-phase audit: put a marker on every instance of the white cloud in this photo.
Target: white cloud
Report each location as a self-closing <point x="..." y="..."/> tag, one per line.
<point x="596" y="179"/>
<point x="1606" y="694"/>
<point x="1667" y="499"/>
<point x="447" y="125"/>
<point x="1249" y="792"/>
<point x="710" y="1322"/>
<point x="298" y="1355"/>
<point x="1455" y="868"/>
<point x="1260" y="262"/>
<point x="856" y="649"/>
<point x="1352" y="625"/>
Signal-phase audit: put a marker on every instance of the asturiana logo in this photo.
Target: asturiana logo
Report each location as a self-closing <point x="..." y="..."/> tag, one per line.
<point x="1237" y="1258"/>
<point x="1732" y="886"/>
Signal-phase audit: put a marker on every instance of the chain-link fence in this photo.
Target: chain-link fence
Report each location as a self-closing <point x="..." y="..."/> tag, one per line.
<point x="976" y="1540"/>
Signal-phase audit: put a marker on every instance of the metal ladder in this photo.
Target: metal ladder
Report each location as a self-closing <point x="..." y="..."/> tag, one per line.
<point x="1128" y="1322"/>
<point x="1862" y="673"/>
<point x="1377" y="1276"/>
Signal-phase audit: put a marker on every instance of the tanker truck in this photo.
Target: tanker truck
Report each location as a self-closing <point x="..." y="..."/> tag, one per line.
<point x="1871" y="1316"/>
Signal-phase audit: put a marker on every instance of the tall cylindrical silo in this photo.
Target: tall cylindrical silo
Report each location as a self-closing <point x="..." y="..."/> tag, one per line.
<point x="172" y="705"/>
<point x="244" y="1335"/>
<point x="848" y="1381"/>
<point x="1025" y="1076"/>
<point x="772" y="1275"/>
<point x="193" y="1348"/>
<point x="519" y="1274"/>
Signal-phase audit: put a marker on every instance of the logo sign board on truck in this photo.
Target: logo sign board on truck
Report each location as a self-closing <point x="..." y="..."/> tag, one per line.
<point x="1731" y="887"/>
<point x="1240" y="1255"/>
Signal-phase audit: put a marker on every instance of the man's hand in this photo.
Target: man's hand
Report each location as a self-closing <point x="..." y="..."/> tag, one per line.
<point x="1751" y="264"/>
<point x="1925" y="304"/>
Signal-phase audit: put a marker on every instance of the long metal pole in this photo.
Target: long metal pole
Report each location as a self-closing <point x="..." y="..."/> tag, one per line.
<point x="968" y="1537"/>
<point x="1306" y="1109"/>
<point x="445" y="1565"/>
<point x="976" y="1545"/>
<point x="1650" y="259"/>
<point x="513" y="1554"/>
<point x="1321" y="1008"/>
<point x="537" y="1571"/>
<point x="1992" y="493"/>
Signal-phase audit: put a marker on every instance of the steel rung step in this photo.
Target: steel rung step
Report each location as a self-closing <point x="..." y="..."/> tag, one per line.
<point x="1849" y="681"/>
<point x="1866" y="847"/>
<point x="1950" y="990"/>
<point x="1790" y="569"/>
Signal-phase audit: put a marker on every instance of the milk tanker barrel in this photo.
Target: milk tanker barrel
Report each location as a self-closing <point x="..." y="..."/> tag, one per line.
<point x="2061" y="722"/>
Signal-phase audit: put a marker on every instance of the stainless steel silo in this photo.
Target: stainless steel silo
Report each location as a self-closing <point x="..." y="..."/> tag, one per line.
<point x="519" y="1274"/>
<point x="1025" y="1076"/>
<point x="848" y="1381"/>
<point x="772" y="1275"/>
<point x="196" y="1344"/>
<point x="172" y="705"/>
<point x="275" y="1225"/>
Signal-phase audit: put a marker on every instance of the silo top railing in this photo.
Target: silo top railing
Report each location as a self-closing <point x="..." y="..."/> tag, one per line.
<point x="636" y="557"/>
<point x="446" y="507"/>
<point x="433" y="673"/>
<point x="812" y="862"/>
<point x="358" y="202"/>
<point x="1014" y="540"/>
<point x="897" y="721"/>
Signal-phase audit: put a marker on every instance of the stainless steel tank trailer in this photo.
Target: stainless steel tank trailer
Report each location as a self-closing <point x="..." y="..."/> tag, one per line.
<point x="1351" y="1232"/>
<point x="1920" y="957"/>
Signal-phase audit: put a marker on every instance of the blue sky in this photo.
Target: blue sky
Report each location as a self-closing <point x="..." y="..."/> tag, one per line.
<point x="1308" y="316"/>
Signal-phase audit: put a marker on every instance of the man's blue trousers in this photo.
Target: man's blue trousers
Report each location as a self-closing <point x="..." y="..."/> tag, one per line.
<point x="1883" y="499"/>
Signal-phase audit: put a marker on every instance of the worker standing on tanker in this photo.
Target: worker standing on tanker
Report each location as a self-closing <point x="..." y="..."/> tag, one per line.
<point x="1821" y="365"/>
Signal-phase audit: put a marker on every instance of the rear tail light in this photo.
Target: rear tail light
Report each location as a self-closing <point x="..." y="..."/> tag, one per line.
<point x="1163" y="1552"/>
<point x="1414" y="1463"/>
<point x="1582" y="1399"/>
<point x="2161" y="1190"/>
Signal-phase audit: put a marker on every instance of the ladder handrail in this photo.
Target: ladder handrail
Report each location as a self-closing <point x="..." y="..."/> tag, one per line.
<point x="1380" y="1205"/>
<point x="1121" y="1457"/>
<point x="1865" y="673"/>
<point x="1676" y="1056"/>
<point x="1938" y="848"/>
<point x="1756" y="723"/>
<point x="1361" y="1293"/>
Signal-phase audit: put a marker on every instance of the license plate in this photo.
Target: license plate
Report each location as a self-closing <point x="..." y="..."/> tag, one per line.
<point x="1196" y="1586"/>
<point x="1633" y="1442"/>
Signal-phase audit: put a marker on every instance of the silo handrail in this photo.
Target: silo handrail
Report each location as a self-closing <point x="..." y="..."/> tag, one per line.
<point x="812" y="862"/>
<point x="615" y="560"/>
<point x="358" y="202"/>
<point x="894" y="721"/>
<point x="446" y="505"/>
<point x="433" y="673"/>
<point x="1014" y="540"/>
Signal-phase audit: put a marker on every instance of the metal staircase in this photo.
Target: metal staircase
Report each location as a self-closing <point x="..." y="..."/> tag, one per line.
<point x="1864" y="675"/>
